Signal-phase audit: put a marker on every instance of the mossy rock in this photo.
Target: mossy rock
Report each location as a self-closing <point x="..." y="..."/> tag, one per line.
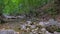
<point x="51" y="28"/>
<point x="58" y="30"/>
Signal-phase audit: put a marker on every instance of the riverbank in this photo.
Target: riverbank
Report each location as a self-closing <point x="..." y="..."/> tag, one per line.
<point x="31" y="26"/>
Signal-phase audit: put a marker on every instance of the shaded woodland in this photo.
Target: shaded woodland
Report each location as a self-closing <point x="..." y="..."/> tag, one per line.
<point x="44" y="9"/>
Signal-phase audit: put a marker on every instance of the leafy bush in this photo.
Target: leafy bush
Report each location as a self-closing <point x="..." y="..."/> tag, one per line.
<point x="22" y="6"/>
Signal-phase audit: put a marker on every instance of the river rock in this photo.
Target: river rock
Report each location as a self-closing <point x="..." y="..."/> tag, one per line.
<point x="7" y="32"/>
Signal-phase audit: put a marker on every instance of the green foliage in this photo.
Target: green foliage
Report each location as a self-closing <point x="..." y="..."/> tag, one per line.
<point x="1" y="6"/>
<point x="58" y="30"/>
<point x="52" y="12"/>
<point x="14" y="7"/>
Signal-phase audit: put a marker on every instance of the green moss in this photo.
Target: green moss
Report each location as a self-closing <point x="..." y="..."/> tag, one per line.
<point x="51" y="28"/>
<point x="58" y="30"/>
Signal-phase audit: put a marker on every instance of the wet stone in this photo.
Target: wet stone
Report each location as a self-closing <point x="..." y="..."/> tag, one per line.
<point x="7" y="32"/>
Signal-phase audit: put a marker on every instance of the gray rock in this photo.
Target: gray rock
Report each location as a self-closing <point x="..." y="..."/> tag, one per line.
<point x="23" y="27"/>
<point x="41" y="23"/>
<point x="33" y="26"/>
<point x="47" y="32"/>
<point x="52" y="22"/>
<point x="56" y="32"/>
<point x="31" y="33"/>
<point x="7" y="32"/>
<point x="29" y="22"/>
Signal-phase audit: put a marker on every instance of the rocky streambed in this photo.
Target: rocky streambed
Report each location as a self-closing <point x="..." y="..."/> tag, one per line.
<point x="31" y="27"/>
